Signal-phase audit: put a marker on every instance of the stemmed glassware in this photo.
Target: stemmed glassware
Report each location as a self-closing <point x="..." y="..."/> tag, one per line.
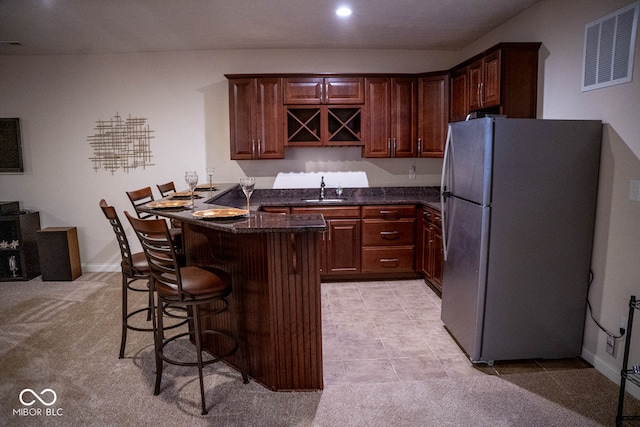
<point x="247" y="184"/>
<point x="210" y="172"/>
<point x="191" y="178"/>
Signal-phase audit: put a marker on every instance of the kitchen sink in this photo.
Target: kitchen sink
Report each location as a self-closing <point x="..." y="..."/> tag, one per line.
<point x="316" y="200"/>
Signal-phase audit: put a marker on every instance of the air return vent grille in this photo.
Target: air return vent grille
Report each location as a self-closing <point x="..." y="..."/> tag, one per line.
<point x="609" y="46"/>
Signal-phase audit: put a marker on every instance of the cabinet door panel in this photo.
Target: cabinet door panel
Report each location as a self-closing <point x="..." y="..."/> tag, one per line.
<point x="241" y="117"/>
<point x="377" y="130"/>
<point x="344" y="90"/>
<point x="475" y="78"/>
<point x="303" y="90"/>
<point x="343" y="247"/>
<point x="423" y="250"/>
<point x="403" y="117"/>
<point x="269" y="122"/>
<point x="431" y="259"/>
<point x="433" y="115"/>
<point x="459" y="95"/>
<point x="438" y="258"/>
<point x="491" y="80"/>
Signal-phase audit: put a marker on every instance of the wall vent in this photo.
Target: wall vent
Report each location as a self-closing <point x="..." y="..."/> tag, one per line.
<point x="609" y="46"/>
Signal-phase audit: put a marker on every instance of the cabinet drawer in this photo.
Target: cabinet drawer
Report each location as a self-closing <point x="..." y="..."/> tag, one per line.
<point x="330" y="211"/>
<point x="389" y="212"/>
<point x="387" y="259"/>
<point x="432" y="216"/>
<point x="380" y="232"/>
<point x="327" y="90"/>
<point x="276" y="209"/>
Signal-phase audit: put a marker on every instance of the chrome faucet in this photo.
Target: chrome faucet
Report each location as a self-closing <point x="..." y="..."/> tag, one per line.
<point x="321" y="189"/>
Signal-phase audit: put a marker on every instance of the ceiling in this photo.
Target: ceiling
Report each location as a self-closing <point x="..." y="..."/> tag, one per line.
<point x="44" y="27"/>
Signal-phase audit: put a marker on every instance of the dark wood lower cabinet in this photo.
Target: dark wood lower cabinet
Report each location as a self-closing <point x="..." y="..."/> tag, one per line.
<point x="276" y="290"/>
<point x="343" y="246"/>
<point x="375" y="242"/>
<point x="388" y="239"/>
<point x="430" y="259"/>
<point x="340" y="250"/>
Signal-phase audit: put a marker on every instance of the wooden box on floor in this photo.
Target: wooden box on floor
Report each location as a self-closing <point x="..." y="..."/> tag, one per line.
<point x="59" y="253"/>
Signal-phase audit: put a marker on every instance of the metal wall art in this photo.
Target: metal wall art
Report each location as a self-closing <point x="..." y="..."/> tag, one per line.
<point x="121" y="144"/>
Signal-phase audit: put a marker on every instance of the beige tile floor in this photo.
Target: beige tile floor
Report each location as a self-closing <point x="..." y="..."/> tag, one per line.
<point x="387" y="331"/>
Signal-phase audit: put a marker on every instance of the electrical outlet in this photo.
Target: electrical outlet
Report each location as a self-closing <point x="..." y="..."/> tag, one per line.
<point x="634" y="190"/>
<point x="412" y="172"/>
<point x="623" y="324"/>
<point x="611" y="345"/>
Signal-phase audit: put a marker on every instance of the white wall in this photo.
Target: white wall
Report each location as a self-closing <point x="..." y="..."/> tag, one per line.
<point x="184" y="98"/>
<point x="559" y="25"/>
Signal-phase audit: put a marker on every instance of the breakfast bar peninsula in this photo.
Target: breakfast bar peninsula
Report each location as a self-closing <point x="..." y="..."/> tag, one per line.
<point x="273" y="261"/>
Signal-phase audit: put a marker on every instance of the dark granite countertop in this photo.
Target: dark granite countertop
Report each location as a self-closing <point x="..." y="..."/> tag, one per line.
<point x="230" y="195"/>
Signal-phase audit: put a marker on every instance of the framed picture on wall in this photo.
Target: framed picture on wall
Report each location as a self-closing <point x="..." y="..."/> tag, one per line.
<point x="10" y="146"/>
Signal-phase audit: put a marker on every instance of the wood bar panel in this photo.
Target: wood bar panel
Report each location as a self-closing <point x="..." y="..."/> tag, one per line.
<point x="276" y="288"/>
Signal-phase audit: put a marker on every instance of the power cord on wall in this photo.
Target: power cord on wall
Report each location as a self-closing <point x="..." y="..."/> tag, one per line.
<point x="611" y="334"/>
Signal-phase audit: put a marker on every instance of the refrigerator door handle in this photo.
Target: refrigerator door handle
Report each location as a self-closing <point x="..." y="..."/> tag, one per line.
<point x="444" y="193"/>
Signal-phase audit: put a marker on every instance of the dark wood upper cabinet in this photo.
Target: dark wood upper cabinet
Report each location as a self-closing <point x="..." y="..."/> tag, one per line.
<point x="484" y="82"/>
<point x="390" y="117"/>
<point x="433" y="114"/>
<point x="459" y="103"/>
<point x="323" y="90"/>
<point x="502" y="80"/>
<point x="256" y="118"/>
<point x="323" y="125"/>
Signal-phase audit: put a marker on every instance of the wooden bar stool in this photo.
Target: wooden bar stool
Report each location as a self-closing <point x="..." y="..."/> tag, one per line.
<point x="134" y="267"/>
<point x="166" y="189"/>
<point x="200" y="291"/>
<point x="143" y="196"/>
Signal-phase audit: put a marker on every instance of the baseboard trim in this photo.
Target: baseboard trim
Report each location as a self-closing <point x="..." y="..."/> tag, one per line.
<point x="101" y="268"/>
<point x="611" y="372"/>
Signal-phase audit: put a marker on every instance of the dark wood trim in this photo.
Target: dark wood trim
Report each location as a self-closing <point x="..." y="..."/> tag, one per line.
<point x="276" y="290"/>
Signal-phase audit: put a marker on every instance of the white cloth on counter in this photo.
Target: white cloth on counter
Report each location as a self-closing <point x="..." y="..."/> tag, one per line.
<point x="312" y="180"/>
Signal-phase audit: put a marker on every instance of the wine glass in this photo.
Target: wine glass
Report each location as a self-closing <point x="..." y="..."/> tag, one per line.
<point x="248" y="185"/>
<point x="210" y="172"/>
<point x="191" y="178"/>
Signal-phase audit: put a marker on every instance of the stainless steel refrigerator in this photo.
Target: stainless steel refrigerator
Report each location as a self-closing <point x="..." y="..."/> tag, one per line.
<point x="518" y="205"/>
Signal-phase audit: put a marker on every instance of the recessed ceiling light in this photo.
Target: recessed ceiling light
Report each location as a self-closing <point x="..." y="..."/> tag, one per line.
<point x="343" y="11"/>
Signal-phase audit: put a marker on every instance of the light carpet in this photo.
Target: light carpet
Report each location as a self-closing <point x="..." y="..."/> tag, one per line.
<point x="65" y="336"/>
